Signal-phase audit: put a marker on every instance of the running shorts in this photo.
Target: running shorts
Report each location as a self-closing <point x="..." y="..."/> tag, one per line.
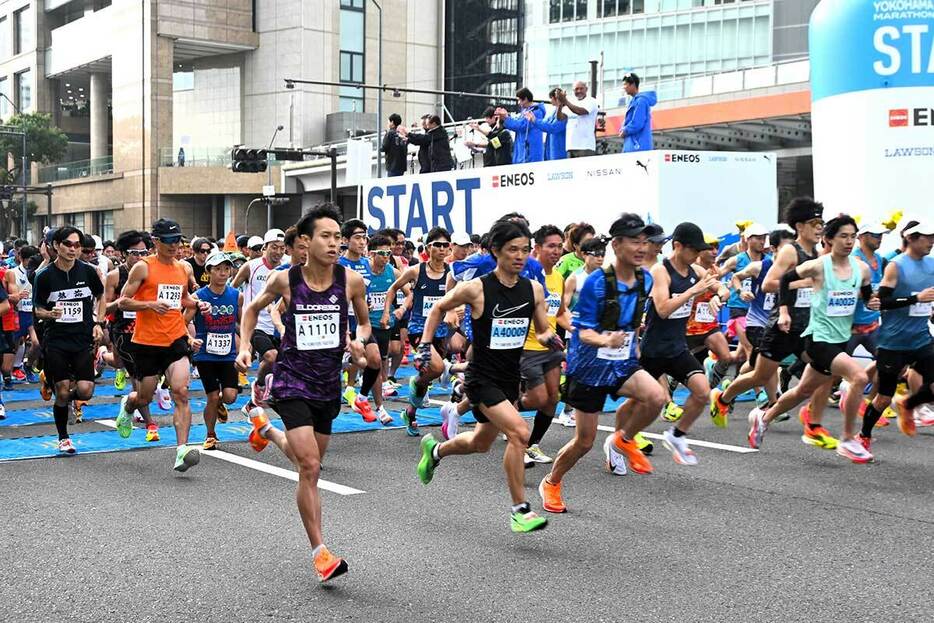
<point x="592" y="399"/>
<point x="890" y="363"/>
<point x="262" y="342"/>
<point x="736" y="324"/>
<point x="155" y="360"/>
<point x="382" y="337"/>
<point x="822" y="355"/>
<point x="216" y="375"/>
<point x="63" y="366"/>
<point x="126" y="350"/>
<point x="298" y="412"/>
<point x="867" y="339"/>
<point x="754" y="335"/>
<point x="680" y="367"/>
<point x="488" y="392"/>
<point x="776" y="345"/>
<point x="698" y="343"/>
<point x="536" y="363"/>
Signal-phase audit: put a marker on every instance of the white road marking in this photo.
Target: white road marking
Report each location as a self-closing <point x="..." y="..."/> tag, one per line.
<point x="260" y="466"/>
<point x="693" y="442"/>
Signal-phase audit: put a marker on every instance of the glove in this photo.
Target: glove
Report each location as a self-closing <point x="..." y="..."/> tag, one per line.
<point x="422" y="355"/>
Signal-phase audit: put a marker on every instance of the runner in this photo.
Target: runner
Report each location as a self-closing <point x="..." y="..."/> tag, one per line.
<point x="157" y="290"/>
<point x="201" y="248"/>
<point x="10" y="324"/>
<point x="603" y="362"/>
<point x="215" y="341"/>
<point x="382" y="276"/>
<point x="703" y="327"/>
<point x="837" y="279"/>
<point x="428" y="282"/>
<point x="253" y="276"/>
<point x="905" y="295"/>
<point x="755" y="237"/>
<point x="26" y="336"/>
<point x="502" y="305"/>
<point x="65" y="295"/>
<point x="306" y="384"/>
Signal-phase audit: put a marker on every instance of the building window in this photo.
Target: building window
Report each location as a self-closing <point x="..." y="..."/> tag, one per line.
<point x="612" y="8"/>
<point x="566" y="10"/>
<point x="23" y="86"/>
<point x="4" y="38"/>
<point x="4" y="102"/>
<point x="352" y="54"/>
<point x="104" y="224"/>
<point x="22" y="31"/>
<point x="75" y="219"/>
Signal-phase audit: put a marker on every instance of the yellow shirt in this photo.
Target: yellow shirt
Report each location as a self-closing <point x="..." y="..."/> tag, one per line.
<point x="555" y="284"/>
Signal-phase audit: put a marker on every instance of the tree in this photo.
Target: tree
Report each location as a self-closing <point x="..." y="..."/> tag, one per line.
<point x="45" y="144"/>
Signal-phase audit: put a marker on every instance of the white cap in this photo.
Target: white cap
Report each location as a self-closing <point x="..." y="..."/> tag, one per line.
<point x="755" y="229"/>
<point x="254" y="241"/>
<point x="217" y="258"/>
<point x="925" y="229"/>
<point x="98" y="243"/>
<point x="873" y="228"/>
<point x="273" y="235"/>
<point x="461" y="239"/>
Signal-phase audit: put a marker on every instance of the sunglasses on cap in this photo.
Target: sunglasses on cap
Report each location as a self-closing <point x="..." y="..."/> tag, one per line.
<point x="169" y="239"/>
<point x="440" y="245"/>
<point x="138" y="252"/>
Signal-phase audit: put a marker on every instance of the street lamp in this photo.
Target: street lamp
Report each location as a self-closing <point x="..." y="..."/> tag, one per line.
<point x="379" y="96"/>
<point x="269" y="180"/>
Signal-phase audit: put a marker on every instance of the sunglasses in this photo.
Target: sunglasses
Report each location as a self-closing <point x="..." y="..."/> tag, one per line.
<point x="592" y="254"/>
<point x="138" y="252"/>
<point x="68" y="244"/>
<point x="169" y="239"/>
<point x="381" y="253"/>
<point x="815" y="222"/>
<point x="204" y="250"/>
<point x="440" y="245"/>
<point x="257" y="248"/>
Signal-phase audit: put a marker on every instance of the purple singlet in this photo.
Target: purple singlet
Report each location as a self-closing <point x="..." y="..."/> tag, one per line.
<point x="309" y="363"/>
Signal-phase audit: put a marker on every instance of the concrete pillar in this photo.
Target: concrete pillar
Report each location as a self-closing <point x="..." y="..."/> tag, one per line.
<point x="99" y="120"/>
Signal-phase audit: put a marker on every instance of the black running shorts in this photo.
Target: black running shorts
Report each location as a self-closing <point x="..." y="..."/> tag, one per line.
<point x="298" y="412"/>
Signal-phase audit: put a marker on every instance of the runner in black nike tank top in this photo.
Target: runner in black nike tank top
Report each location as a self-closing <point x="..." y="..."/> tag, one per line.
<point x="503" y="304"/>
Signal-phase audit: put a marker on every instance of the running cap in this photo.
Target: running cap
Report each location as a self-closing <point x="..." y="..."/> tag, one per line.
<point x="273" y="235"/>
<point x="755" y="229"/>
<point x="628" y="225"/>
<point x="656" y="233"/>
<point x="461" y="239"/>
<point x="98" y="243"/>
<point x="254" y="241"/>
<point x="690" y="235"/>
<point x="925" y="229"/>
<point x="242" y="240"/>
<point x="216" y="259"/>
<point x="49" y="234"/>
<point x="164" y="228"/>
<point x="876" y="229"/>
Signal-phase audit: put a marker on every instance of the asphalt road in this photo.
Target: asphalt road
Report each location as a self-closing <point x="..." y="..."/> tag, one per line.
<point x="791" y="533"/>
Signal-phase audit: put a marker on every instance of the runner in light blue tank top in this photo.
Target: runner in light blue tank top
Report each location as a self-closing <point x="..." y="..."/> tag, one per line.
<point x="833" y="305"/>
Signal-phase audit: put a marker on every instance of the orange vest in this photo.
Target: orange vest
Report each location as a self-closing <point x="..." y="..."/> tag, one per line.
<point x="166" y="282"/>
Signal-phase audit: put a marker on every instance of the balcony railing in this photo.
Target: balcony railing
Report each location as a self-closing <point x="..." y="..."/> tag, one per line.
<point x="204" y="157"/>
<point x="777" y="74"/>
<point x="77" y="169"/>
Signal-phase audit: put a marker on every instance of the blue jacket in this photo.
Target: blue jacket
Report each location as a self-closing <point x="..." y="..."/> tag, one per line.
<point x="555" y="142"/>
<point x="638" y="124"/>
<point x="528" y="145"/>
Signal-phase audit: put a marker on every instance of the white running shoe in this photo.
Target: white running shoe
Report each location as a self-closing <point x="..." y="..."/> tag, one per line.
<point x="384" y="418"/>
<point x="450" y="420"/>
<point x="757" y="427"/>
<point x="924" y="415"/>
<point x="678" y="446"/>
<point x="445" y="377"/>
<point x="566" y="418"/>
<point x="66" y="447"/>
<point x="535" y="453"/>
<point x="164" y="399"/>
<point x="852" y="449"/>
<point x="615" y="462"/>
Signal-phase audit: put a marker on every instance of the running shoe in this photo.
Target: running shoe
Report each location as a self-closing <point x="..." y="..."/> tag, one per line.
<point x="416" y="401"/>
<point x="566" y="418"/>
<point x="865" y="441"/>
<point x="678" y="446"/>
<point x="719" y="410"/>
<point x="164" y="399"/>
<point x="887" y="415"/>
<point x="411" y="425"/>
<point x="210" y="443"/>
<point x="222" y="413"/>
<point x="527" y="461"/>
<point x="427" y="464"/>
<point x="383" y="415"/>
<point x="194" y="373"/>
<point x="762" y="399"/>
<point x="259" y="394"/>
<point x="361" y="405"/>
<point x="186" y="458"/>
<point x="124" y="421"/>
<point x="615" y="461"/>
<point x="445" y="377"/>
<point x="152" y="432"/>
<point x="757" y="427"/>
<point x="709" y="365"/>
<point x="784" y="379"/>
<point x="79" y="410"/>
<point x="527" y="521"/>
<point x="19" y="375"/>
<point x="784" y="417"/>
<point x="66" y="447"/>
<point x="259" y="420"/>
<point x="138" y="417"/>
<point x="44" y="390"/>
<point x="672" y="385"/>
<point x="924" y="415"/>
<point x="450" y="420"/>
<point x="820" y="437"/>
<point x="389" y="389"/>
<point x="8" y="384"/>
<point x="635" y="460"/>
<point x="31" y="376"/>
<point x="551" y="496"/>
<point x="242" y="380"/>
<point x="672" y="412"/>
<point x="536" y="455"/>
<point x="328" y="566"/>
<point x="120" y="380"/>
<point x="457" y="389"/>
<point x="854" y="450"/>
<point x="2" y="410"/>
<point x="349" y="395"/>
<point x="804" y="415"/>
<point x="906" y="417"/>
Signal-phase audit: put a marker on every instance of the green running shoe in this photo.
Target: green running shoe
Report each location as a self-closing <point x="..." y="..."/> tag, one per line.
<point x="672" y="412"/>
<point x="644" y="444"/>
<point x="124" y="421"/>
<point x="186" y="458"/>
<point x="527" y="522"/>
<point x="120" y="380"/>
<point x="427" y="464"/>
<point x="414" y="399"/>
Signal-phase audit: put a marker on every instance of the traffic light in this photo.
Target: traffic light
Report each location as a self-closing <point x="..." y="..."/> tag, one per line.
<point x="6" y="192"/>
<point x="247" y="160"/>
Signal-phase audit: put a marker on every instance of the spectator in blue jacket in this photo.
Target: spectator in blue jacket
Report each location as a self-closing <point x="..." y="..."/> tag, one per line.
<point x="637" y="129"/>
<point x="554" y="129"/>
<point x="528" y="145"/>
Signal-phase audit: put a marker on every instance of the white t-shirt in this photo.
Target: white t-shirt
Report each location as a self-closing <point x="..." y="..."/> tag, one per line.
<point x="580" y="129"/>
<point x="259" y="272"/>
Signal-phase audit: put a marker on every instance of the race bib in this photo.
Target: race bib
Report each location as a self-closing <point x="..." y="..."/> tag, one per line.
<point x="769" y="301"/>
<point x="219" y="343"/>
<point x="747" y="285"/>
<point x="508" y="333"/>
<point x="554" y="304"/>
<point x="26" y="304"/>
<point x="841" y="303"/>
<point x="400" y="298"/>
<point x="702" y="314"/>
<point x="72" y="311"/>
<point x="129" y="315"/>
<point x="684" y="311"/>
<point x="317" y="331"/>
<point x="803" y="298"/>
<point x="919" y="309"/>
<point x="616" y="354"/>
<point x="427" y="303"/>
<point x="377" y="301"/>
<point x="170" y="294"/>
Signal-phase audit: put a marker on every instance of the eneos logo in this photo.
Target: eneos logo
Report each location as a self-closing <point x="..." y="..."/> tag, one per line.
<point x="694" y="158"/>
<point x="906" y="117"/>
<point x="514" y="179"/>
<point x="898" y="118"/>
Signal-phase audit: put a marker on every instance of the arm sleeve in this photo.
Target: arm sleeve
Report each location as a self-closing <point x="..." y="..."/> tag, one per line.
<point x="639" y="118"/>
<point x="887" y="301"/>
<point x="386" y="143"/>
<point x="419" y="139"/>
<point x="553" y="126"/>
<point x="866" y="292"/>
<point x="785" y="295"/>
<point x="587" y="312"/>
<point x="516" y="123"/>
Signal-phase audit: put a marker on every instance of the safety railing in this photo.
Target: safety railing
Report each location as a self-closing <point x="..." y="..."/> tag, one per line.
<point x="76" y="169"/>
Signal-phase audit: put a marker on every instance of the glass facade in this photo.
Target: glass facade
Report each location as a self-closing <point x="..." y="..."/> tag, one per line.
<point x="22" y="31"/>
<point x="657" y="39"/>
<point x="23" y="88"/>
<point x="352" y="53"/>
<point x="206" y="115"/>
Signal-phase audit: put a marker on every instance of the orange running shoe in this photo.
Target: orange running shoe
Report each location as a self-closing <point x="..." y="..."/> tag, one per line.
<point x="328" y="565"/>
<point x="638" y="462"/>
<point x="804" y="415"/>
<point x="820" y="437"/>
<point x="259" y="420"/>
<point x="44" y="390"/>
<point x="551" y="496"/>
<point x="906" y="417"/>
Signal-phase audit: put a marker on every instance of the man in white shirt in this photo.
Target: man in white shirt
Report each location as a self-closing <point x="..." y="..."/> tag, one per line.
<point x="581" y="114"/>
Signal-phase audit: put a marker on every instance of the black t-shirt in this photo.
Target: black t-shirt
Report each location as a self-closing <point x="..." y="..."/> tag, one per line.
<point x="75" y="292"/>
<point x="202" y="278"/>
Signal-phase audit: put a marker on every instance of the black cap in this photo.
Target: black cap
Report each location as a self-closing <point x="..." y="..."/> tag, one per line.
<point x="656" y="234"/>
<point x="628" y="225"/>
<point x="164" y="227"/>
<point x="690" y="235"/>
<point x="242" y="240"/>
<point x="49" y="234"/>
<point x="631" y="78"/>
